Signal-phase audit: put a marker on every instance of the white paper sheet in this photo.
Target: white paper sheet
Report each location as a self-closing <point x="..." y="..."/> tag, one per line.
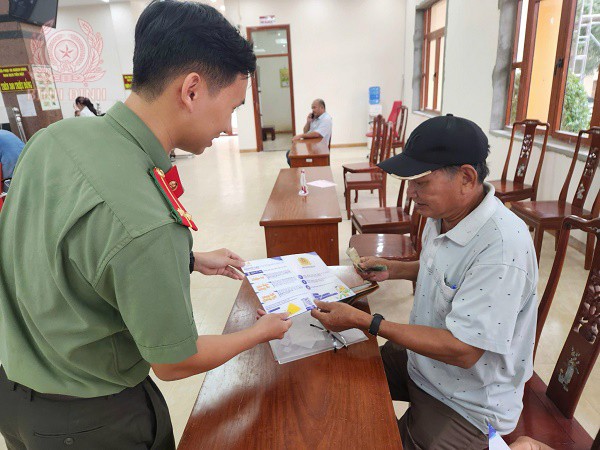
<point x="321" y="183"/>
<point x="291" y="283"/>
<point x="495" y="440"/>
<point x="26" y="105"/>
<point x="46" y="89"/>
<point x="303" y="340"/>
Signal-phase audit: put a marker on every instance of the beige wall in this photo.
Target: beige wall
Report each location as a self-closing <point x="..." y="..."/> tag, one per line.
<point x="339" y="49"/>
<point x="471" y="42"/>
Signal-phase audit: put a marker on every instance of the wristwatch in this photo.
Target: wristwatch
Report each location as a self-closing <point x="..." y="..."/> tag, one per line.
<point x="375" y="323"/>
<point x="192" y="261"/>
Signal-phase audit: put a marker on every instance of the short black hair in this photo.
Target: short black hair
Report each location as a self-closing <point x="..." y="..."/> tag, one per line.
<point x="172" y="38"/>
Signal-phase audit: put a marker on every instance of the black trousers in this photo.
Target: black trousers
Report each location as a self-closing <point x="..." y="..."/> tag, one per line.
<point x="136" y="418"/>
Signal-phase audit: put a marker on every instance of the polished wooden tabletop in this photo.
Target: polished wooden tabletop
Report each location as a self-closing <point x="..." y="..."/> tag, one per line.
<point x="315" y="148"/>
<point x="286" y="207"/>
<point x="331" y="400"/>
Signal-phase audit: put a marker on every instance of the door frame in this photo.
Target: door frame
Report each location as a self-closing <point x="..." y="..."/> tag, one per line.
<point x="255" y="98"/>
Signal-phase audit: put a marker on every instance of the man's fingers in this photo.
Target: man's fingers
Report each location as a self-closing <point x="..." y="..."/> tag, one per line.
<point x="320" y="316"/>
<point x="323" y="306"/>
<point x="237" y="260"/>
<point x="230" y="274"/>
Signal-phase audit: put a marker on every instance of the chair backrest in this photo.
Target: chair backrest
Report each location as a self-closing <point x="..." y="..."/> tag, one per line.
<point x="530" y="126"/>
<point x="407" y="201"/>
<point x="400" y="133"/>
<point x="396" y="106"/>
<point x="587" y="176"/>
<point x="417" y="223"/>
<point x="596" y="444"/>
<point x="582" y="345"/>
<point x="387" y="136"/>
<point x="377" y="138"/>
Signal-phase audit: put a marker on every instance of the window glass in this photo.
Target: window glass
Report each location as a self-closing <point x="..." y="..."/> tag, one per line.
<point x="438" y="15"/>
<point x="582" y="77"/>
<point x="542" y="72"/>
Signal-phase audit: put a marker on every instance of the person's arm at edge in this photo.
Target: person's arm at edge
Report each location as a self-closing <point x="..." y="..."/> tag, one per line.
<point x="215" y="350"/>
<point x="397" y="270"/>
<point x="307" y="125"/>
<point x="310" y="135"/>
<point x="434" y="343"/>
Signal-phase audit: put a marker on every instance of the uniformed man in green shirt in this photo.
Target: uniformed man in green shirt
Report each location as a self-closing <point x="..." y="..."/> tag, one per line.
<point x="95" y="248"/>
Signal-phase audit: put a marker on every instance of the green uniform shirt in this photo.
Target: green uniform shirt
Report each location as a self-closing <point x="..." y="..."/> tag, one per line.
<point x="94" y="269"/>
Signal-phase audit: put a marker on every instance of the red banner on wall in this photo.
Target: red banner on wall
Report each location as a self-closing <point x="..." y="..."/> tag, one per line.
<point x="15" y="78"/>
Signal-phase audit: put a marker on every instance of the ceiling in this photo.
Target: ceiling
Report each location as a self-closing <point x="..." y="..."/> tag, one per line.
<point x="63" y="3"/>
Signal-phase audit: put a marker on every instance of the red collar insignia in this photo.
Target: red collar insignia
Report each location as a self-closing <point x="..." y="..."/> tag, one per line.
<point x="171" y="188"/>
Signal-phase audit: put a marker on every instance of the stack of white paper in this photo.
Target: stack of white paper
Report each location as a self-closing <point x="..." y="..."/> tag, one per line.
<point x="303" y="340"/>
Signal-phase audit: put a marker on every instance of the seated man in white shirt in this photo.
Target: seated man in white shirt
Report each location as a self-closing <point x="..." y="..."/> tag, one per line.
<point x="318" y="125"/>
<point x="463" y="359"/>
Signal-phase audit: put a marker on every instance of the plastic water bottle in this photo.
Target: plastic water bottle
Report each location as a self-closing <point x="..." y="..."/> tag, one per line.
<point x="303" y="187"/>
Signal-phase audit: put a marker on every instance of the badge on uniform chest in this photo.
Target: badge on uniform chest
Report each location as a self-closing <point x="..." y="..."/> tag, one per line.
<point x="171" y="188"/>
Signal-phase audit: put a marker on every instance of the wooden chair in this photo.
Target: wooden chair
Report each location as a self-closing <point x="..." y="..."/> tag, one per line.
<point x="394" y="220"/>
<point x="396" y="247"/>
<point x="393" y="117"/>
<point x="510" y="191"/>
<point x="548" y="215"/>
<point x="371" y="164"/>
<point x="372" y="180"/>
<point x="548" y="410"/>
<point x="400" y="129"/>
<point x="596" y="444"/>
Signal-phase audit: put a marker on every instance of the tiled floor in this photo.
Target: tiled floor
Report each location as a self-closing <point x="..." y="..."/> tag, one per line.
<point x="282" y="141"/>
<point x="226" y="192"/>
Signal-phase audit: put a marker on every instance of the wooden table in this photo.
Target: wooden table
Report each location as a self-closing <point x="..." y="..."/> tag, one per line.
<point x="327" y="401"/>
<point x="309" y="153"/>
<point x="296" y="224"/>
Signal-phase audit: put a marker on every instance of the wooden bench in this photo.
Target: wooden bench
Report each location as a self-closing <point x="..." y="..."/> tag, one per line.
<point x="548" y="410"/>
<point x="268" y="129"/>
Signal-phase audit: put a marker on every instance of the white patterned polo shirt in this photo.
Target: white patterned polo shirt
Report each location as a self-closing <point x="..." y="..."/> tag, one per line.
<point x="479" y="281"/>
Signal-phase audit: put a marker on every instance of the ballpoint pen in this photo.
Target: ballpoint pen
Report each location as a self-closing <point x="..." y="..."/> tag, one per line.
<point x="334" y="336"/>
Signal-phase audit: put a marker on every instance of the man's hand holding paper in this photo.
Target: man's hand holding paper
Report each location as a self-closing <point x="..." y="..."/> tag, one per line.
<point x="339" y="316"/>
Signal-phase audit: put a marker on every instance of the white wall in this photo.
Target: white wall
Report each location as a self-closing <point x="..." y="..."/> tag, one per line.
<point x="339" y="49"/>
<point x="275" y="103"/>
<point x="470" y="54"/>
<point x="108" y="89"/>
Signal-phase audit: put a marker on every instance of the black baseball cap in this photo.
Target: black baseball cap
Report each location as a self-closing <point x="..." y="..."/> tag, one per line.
<point x="439" y="142"/>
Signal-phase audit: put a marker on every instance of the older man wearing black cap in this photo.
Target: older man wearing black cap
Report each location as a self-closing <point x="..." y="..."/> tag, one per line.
<point x="463" y="359"/>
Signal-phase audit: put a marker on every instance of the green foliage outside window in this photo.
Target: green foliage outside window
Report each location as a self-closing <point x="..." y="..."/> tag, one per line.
<point x="576" y="112"/>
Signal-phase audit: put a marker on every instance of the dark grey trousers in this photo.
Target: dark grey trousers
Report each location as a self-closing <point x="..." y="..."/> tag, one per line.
<point x="428" y="424"/>
<point x="136" y="418"/>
